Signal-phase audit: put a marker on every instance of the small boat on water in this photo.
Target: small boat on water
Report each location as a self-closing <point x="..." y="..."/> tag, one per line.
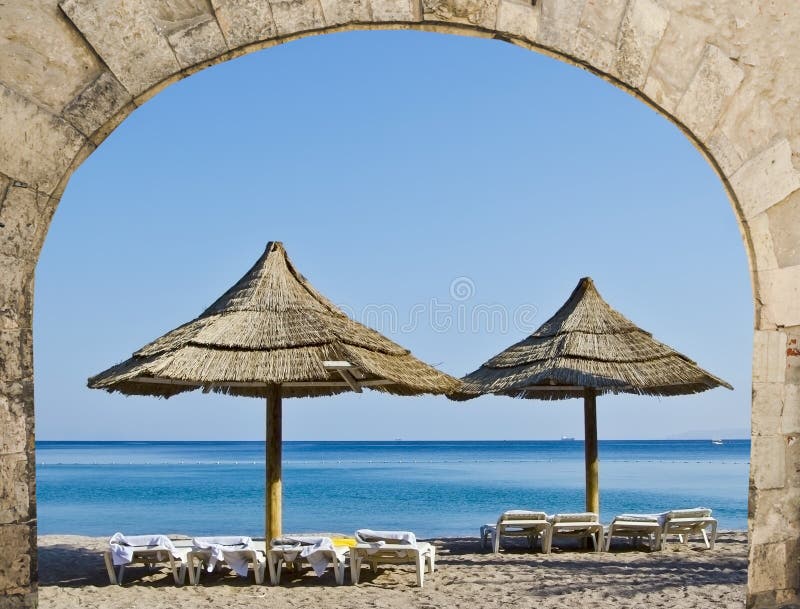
<point x="567" y="439"/>
<point x="718" y="442"/>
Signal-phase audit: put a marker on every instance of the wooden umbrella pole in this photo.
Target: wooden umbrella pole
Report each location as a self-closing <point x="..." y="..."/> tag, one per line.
<point x="592" y="463"/>
<point x="273" y="454"/>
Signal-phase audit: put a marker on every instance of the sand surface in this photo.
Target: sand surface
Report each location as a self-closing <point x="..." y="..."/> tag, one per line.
<point x="72" y="575"/>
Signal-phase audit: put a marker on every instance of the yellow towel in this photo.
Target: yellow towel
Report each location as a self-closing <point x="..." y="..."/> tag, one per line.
<point x="344" y="542"/>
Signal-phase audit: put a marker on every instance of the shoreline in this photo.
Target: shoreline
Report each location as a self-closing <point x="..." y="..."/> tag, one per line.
<point x="72" y="575"/>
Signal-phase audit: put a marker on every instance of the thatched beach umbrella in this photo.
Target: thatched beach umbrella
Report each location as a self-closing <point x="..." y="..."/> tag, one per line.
<point x="272" y="335"/>
<point x="587" y="348"/>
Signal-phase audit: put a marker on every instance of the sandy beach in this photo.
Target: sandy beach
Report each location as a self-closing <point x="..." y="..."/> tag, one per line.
<point x="72" y="575"/>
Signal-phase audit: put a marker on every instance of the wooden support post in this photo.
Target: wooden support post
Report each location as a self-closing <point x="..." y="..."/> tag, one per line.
<point x="273" y="453"/>
<point x="592" y="463"/>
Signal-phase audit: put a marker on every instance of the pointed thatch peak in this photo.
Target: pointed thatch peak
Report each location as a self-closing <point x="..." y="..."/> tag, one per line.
<point x="272" y="327"/>
<point x="586" y="311"/>
<point x="272" y="284"/>
<point x="587" y="343"/>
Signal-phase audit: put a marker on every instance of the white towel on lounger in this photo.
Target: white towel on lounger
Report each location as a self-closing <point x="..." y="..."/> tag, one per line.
<point x="314" y="549"/>
<point x="659" y="518"/>
<point x="123" y="547"/>
<point x="370" y="536"/>
<point x="228" y="549"/>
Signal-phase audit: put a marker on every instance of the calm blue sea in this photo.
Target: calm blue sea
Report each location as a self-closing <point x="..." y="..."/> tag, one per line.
<point x="433" y="488"/>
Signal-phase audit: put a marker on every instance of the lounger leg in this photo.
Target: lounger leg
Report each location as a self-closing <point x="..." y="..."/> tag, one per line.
<point x="274" y="566"/>
<point x="112" y="577"/>
<point x="420" y="569"/>
<point x="120" y="573"/>
<point x="608" y="538"/>
<point x="355" y="567"/>
<point x="338" y="570"/>
<point x="657" y="540"/>
<point x="713" y="537"/>
<point x="194" y="569"/>
<point x="496" y="541"/>
<point x="258" y="569"/>
<point x="178" y="571"/>
<point x="432" y="559"/>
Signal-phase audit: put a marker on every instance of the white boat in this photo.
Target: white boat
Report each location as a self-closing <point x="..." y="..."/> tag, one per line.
<point x="567" y="439"/>
<point x="718" y="442"/>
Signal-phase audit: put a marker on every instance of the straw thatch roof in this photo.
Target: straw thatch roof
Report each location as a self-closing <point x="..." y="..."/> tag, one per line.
<point x="272" y="327"/>
<point x="588" y="344"/>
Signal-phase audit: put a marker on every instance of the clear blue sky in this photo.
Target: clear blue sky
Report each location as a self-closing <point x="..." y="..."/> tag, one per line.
<point x="393" y="164"/>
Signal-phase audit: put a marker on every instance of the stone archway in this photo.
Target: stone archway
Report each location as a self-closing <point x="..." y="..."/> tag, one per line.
<point x="724" y="71"/>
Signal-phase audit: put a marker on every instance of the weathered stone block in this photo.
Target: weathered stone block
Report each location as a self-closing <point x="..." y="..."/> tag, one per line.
<point x="598" y="28"/>
<point x="14" y="399"/>
<point x="769" y="356"/>
<point x="724" y="153"/>
<point x="337" y="12"/>
<point x="761" y="238"/>
<point x="767" y="408"/>
<point x="293" y="16"/>
<point x="771" y="450"/>
<point x="125" y="34"/>
<point x="793" y="483"/>
<point x="13" y="488"/>
<point x="766" y="179"/>
<point x="482" y="13"/>
<point x="792" y="356"/>
<point x="558" y="24"/>
<point x="26" y="216"/>
<point x="201" y="40"/>
<point x="779" y="290"/>
<point x="675" y="61"/>
<point x="396" y="10"/>
<point x="16" y="354"/>
<point x="37" y="146"/>
<point x="790" y="417"/>
<point x="97" y="104"/>
<point x="518" y="19"/>
<point x="767" y="569"/>
<point x="772" y="519"/>
<point x="16" y="292"/>
<point x="788" y="598"/>
<point x="785" y="230"/>
<point x="641" y="30"/>
<point x="15" y="569"/>
<point x="43" y="57"/>
<point x="19" y="601"/>
<point x="716" y="79"/>
<point x="244" y="21"/>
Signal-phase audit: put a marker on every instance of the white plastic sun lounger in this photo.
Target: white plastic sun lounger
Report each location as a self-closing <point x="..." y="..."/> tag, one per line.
<point x="317" y="551"/>
<point x="637" y="526"/>
<point x="239" y="553"/>
<point x="581" y="525"/>
<point x="391" y="547"/>
<point x="518" y="523"/>
<point x="690" y="522"/>
<point x="147" y="550"/>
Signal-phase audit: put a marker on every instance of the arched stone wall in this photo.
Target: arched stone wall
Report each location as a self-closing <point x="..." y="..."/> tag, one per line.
<point x="724" y="71"/>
